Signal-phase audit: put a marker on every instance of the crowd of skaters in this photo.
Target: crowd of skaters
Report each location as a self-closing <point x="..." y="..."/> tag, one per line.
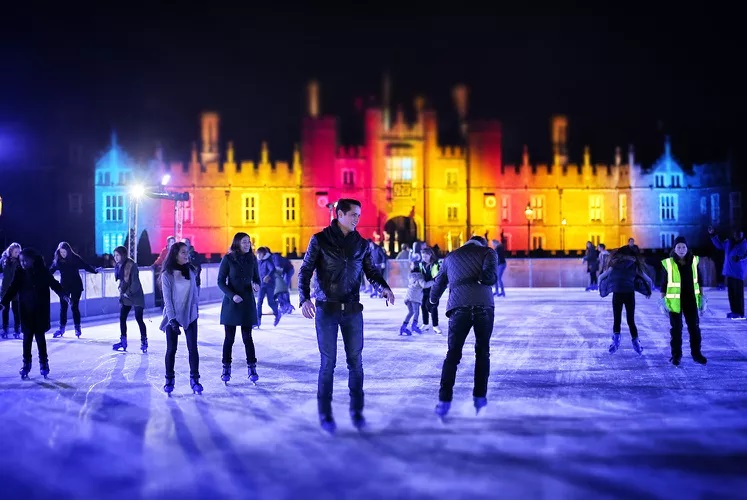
<point x="336" y="264"/>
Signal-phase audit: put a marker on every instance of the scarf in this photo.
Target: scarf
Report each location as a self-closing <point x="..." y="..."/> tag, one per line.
<point x="184" y="269"/>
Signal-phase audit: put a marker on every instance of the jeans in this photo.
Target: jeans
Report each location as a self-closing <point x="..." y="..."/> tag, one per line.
<point x="266" y="290"/>
<point x="351" y="326"/>
<point x="124" y="310"/>
<point x="246" y="336"/>
<point x="499" y="280"/>
<point x="172" y="338"/>
<point x="461" y="320"/>
<point x="74" y="304"/>
<point x="413" y="312"/>
<point x="627" y="299"/>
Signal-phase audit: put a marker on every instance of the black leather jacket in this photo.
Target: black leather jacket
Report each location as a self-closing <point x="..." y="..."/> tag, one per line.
<point x="339" y="262"/>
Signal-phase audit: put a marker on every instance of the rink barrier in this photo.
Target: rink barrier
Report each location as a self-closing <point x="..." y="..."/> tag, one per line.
<point x="101" y="296"/>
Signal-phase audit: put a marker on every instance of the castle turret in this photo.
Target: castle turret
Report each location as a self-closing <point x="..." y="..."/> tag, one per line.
<point x="210" y="125"/>
<point x="560" y="139"/>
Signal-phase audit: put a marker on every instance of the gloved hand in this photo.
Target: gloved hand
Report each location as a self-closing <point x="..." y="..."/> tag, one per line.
<point x="662" y="305"/>
<point x="175" y="326"/>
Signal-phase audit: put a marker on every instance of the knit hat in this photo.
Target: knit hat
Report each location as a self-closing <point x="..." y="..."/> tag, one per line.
<point x="679" y="239"/>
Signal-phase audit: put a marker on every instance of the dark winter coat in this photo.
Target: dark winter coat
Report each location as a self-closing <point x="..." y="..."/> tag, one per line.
<point x="470" y="273"/>
<point x="735" y="256"/>
<point x="69" y="272"/>
<point x="130" y="288"/>
<point x="266" y="272"/>
<point x="624" y="276"/>
<point x="32" y="287"/>
<point x="282" y="263"/>
<point x="592" y="260"/>
<point x="10" y="266"/>
<point x="339" y="261"/>
<point x="236" y="274"/>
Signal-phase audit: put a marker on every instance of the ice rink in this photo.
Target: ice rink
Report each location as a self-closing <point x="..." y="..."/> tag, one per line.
<point x="566" y="420"/>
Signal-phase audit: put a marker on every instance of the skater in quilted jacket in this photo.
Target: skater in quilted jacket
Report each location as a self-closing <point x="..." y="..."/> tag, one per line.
<point x="10" y="262"/>
<point x="130" y="296"/>
<point x="68" y="263"/>
<point x="413" y="298"/>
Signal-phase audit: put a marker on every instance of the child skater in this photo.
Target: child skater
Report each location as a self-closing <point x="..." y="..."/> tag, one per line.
<point x="416" y="284"/>
<point x="624" y="276"/>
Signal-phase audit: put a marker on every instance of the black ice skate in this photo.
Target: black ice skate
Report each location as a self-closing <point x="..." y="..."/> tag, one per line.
<point x="480" y="403"/>
<point x="226" y="375"/>
<point x="122" y="345"/>
<point x="144" y="345"/>
<point x="328" y="424"/>
<point x="78" y="331"/>
<point x="359" y="421"/>
<point x="253" y="376"/>
<point x="196" y="387"/>
<point x="59" y="332"/>
<point x="25" y="370"/>
<point x="169" y="386"/>
<point x="44" y="369"/>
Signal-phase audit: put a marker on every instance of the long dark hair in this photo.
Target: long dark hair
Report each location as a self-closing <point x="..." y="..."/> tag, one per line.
<point x="70" y="253"/>
<point x="627" y="253"/>
<point x="236" y="244"/>
<point x="171" y="263"/>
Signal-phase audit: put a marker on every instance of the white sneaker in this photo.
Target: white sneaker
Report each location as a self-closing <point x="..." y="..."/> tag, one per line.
<point x="436" y="330"/>
<point x="425" y="327"/>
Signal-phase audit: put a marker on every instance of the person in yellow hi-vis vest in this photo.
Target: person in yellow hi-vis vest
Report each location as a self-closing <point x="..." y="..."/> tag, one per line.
<point x="681" y="295"/>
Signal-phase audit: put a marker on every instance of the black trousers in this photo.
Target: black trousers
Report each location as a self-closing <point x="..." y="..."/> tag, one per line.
<point x="75" y="305"/>
<point x="172" y="338"/>
<point x="15" y="307"/>
<point x="735" y="288"/>
<point x="246" y="336"/>
<point x="690" y="313"/>
<point x="41" y="345"/>
<point x="626" y="299"/>
<point x="428" y="309"/>
<point x="124" y="310"/>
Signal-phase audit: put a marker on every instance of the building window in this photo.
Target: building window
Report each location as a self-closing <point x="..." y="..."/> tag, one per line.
<point x="452" y="212"/>
<point x="348" y="177"/>
<point x="505" y="208"/>
<point x="666" y="240"/>
<point x="715" y="209"/>
<point x="538" y="205"/>
<point x="659" y="181"/>
<point x="668" y="207"/>
<point x="676" y="181"/>
<point x="290" y="244"/>
<point x="187" y="210"/>
<point x="703" y="205"/>
<point x="113" y="208"/>
<point x="735" y="207"/>
<point x="595" y="208"/>
<point x="112" y="241"/>
<point x="75" y="203"/>
<point x="250" y="208"/>
<point x="538" y="241"/>
<point x="399" y="169"/>
<point x="289" y="208"/>
<point x="623" y="204"/>
<point x="595" y="239"/>
<point x="254" y="238"/>
<point x="452" y="178"/>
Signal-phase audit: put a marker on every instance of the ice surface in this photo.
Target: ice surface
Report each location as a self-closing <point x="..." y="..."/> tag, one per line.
<point x="566" y="420"/>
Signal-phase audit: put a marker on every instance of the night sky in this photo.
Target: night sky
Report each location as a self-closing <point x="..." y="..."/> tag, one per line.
<point x="622" y="77"/>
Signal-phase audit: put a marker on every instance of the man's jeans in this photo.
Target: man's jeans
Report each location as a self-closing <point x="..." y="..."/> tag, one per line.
<point x="351" y="325"/>
<point x="461" y="320"/>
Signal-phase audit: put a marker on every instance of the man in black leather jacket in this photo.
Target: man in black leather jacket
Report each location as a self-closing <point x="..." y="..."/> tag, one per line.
<point x="470" y="273"/>
<point x="339" y="254"/>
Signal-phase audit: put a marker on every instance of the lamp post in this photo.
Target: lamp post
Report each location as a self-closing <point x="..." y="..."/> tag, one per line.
<point x="528" y="212"/>
<point x="136" y="192"/>
<point x="562" y="234"/>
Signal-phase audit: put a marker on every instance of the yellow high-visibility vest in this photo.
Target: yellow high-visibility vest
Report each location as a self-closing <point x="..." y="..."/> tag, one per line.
<point x="674" y="286"/>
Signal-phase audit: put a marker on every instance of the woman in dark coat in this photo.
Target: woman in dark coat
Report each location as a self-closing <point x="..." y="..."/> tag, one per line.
<point x="68" y="263"/>
<point x="130" y="296"/>
<point x="238" y="278"/>
<point x="10" y="263"/>
<point x="32" y="283"/>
